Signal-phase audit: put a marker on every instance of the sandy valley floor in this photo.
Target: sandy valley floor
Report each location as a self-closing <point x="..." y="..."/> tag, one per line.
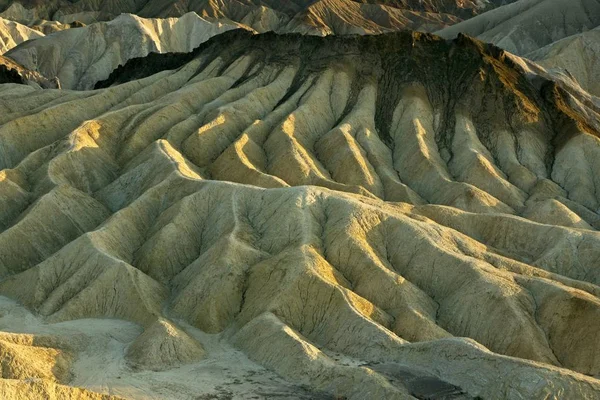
<point x="100" y="365"/>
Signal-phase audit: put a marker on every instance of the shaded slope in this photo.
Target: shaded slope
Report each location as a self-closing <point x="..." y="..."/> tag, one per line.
<point x="555" y="33"/>
<point x="12" y="72"/>
<point x="578" y="54"/>
<point x="528" y="25"/>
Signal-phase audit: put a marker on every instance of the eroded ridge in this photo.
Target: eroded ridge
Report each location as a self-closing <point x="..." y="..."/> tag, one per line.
<point x="343" y="210"/>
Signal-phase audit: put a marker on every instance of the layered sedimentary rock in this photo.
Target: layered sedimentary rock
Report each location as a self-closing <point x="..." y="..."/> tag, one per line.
<point x="578" y="54"/>
<point x="34" y="366"/>
<point x="392" y="216"/>
<point x="315" y="16"/>
<point x="341" y="17"/>
<point x="79" y="58"/>
<point x="13" y="33"/>
<point x="559" y="34"/>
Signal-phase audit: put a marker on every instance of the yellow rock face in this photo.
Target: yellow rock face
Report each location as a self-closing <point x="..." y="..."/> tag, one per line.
<point x="21" y="390"/>
<point x="12" y="33"/>
<point x="348" y="229"/>
<point x="28" y="356"/>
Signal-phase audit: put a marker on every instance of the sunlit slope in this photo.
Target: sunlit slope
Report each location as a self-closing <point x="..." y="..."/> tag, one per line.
<point x="315" y="16"/>
<point x="13" y="33"/>
<point x="359" y="215"/>
<point x="81" y="57"/>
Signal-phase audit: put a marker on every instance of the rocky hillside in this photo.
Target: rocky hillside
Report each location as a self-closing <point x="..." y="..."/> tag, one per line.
<point x="393" y="216"/>
<point x="13" y="33"/>
<point x="79" y="58"/>
<point x="322" y="16"/>
<point x="12" y="72"/>
<point x="555" y="33"/>
<point x="577" y="54"/>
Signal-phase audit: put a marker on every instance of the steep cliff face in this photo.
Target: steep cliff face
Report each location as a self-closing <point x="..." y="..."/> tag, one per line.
<point x="394" y="216"/>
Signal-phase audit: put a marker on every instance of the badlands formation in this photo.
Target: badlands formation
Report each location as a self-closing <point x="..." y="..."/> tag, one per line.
<point x="79" y="58"/>
<point x="577" y="54"/>
<point x="364" y="217"/>
<point x="12" y="72"/>
<point x="559" y="34"/>
<point x="12" y="33"/>
<point x="307" y="16"/>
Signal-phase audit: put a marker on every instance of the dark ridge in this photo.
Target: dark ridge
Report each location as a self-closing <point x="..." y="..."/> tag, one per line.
<point x="463" y="72"/>
<point x="11" y="72"/>
<point x="142" y="67"/>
